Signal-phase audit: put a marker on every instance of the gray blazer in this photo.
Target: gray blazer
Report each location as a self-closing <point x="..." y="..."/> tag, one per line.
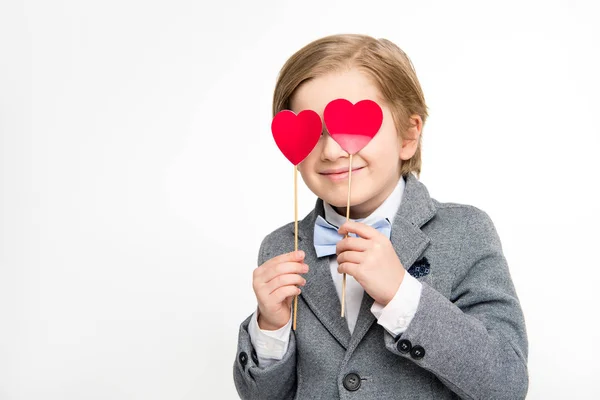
<point x="467" y="339"/>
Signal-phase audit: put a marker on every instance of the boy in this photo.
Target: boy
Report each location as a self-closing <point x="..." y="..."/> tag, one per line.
<point x="452" y="327"/>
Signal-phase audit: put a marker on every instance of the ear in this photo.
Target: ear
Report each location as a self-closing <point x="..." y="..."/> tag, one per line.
<point x="408" y="146"/>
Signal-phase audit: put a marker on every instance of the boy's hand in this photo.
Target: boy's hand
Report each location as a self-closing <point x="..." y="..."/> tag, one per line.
<point x="371" y="260"/>
<point x="274" y="284"/>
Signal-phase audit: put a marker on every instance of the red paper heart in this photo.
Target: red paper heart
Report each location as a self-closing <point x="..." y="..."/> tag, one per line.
<point x="352" y="126"/>
<point x="296" y="135"/>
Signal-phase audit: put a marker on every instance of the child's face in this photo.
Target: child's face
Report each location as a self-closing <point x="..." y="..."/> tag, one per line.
<point x="375" y="169"/>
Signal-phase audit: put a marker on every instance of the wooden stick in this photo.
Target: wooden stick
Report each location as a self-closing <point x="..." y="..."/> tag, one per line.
<point x="347" y="218"/>
<point x="295" y="233"/>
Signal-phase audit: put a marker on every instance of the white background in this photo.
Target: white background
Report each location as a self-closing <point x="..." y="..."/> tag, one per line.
<point x="139" y="175"/>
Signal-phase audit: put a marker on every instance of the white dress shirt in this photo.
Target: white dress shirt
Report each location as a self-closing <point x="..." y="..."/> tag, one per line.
<point x="395" y="317"/>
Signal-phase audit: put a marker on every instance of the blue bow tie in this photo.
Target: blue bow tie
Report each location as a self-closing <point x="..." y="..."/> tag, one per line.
<point x="326" y="234"/>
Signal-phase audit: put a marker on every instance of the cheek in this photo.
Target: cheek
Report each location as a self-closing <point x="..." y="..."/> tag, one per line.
<point x="307" y="165"/>
<point x="310" y="161"/>
<point x="381" y="155"/>
<point x="302" y="168"/>
<point x="387" y="146"/>
<point x="376" y="153"/>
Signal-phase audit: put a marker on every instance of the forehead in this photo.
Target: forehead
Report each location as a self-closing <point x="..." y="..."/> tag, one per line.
<point x="351" y="85"/>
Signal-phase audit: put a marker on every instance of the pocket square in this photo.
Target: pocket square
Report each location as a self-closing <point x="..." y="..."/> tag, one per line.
<point x="419" y="268"/>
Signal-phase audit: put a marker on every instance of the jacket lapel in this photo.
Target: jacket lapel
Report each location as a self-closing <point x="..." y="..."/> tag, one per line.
<point x="407" y="238"/>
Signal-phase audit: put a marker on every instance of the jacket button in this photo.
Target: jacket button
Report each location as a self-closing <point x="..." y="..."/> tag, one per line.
<point x="254" y="356"/>
<point x="417" y="352"/>
<point x="404" y="345"/>
<point x="351" y="382"/>
<point x="243" y="357"/>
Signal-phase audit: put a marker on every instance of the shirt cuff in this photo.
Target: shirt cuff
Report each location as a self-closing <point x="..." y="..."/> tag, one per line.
<point x="399" y="312"/>
<point x="269" y="345"/>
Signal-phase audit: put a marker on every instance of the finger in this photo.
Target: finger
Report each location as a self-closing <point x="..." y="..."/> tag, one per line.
<point x="351" y="243"/>
<point x="355" y="257"/>
<point x="363" y="230"/>
<point x="283" y="293"/>
<point x="264" y="291"/>
<point x="349" y="268"/>
<point x="286" y="257"/>
<point x="284" y="280"/>
<point x="283" y="268"/>
<point x="260" y="280"/>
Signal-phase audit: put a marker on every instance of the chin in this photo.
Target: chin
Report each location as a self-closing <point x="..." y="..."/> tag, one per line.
<point x="335" y="203"/>
<point x="336" y="200"/>
<point x="341" y="201"/>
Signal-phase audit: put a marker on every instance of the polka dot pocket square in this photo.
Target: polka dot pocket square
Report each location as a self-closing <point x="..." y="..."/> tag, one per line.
<point x="419" y="268"/>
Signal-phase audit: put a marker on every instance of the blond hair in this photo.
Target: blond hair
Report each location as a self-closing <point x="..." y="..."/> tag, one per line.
<point x="385" y="63"/>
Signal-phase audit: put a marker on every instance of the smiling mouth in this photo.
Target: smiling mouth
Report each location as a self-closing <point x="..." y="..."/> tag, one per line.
<point x="336" y="176"/>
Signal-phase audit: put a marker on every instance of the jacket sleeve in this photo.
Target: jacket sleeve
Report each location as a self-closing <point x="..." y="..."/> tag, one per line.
<point x="253" y="381"/>
<point x="475" y="342"/>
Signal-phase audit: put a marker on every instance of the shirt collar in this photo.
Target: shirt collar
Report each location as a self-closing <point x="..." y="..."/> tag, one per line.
<point x="387" y="209"/>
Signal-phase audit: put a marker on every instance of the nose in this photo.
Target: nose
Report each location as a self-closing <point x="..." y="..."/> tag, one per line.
<point x="331" y="150"/>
